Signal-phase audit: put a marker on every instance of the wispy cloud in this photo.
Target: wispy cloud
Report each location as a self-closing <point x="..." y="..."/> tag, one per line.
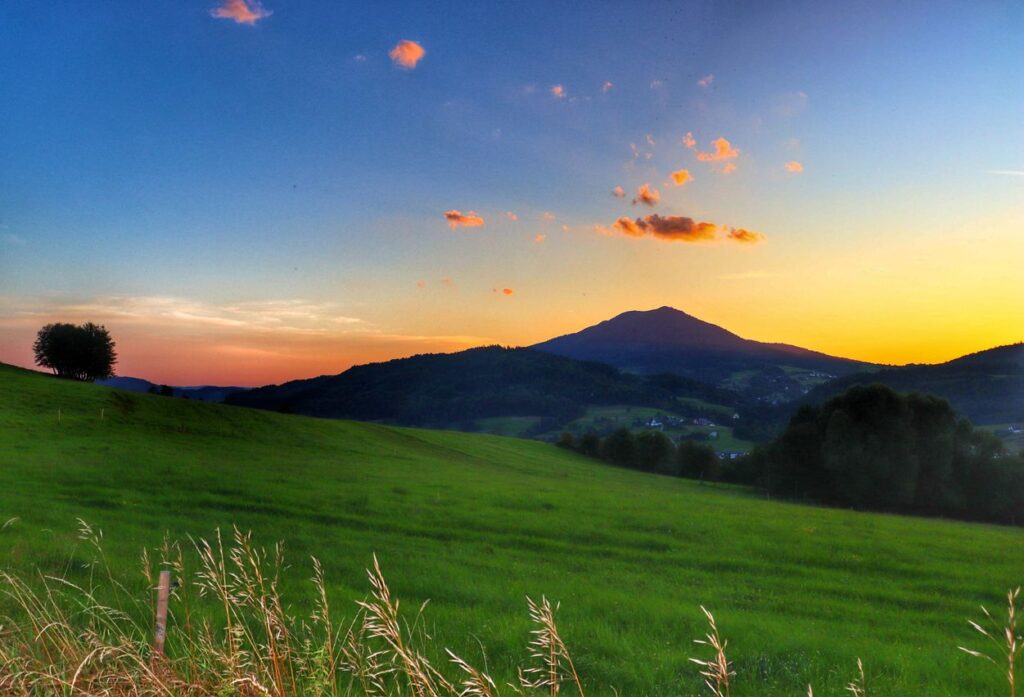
<point x="241" y="11"/>
<point x="677" y="228"/>
<point x="607" y="86"/>
<point x="706" y="81"/>
<point x="406" y="54"/>
<point x="647" y="196"/>
<point x="548" y="216"/>
<point x="689" y="141"/>
<point x="511" y="216"/>
<point x="459" y="219"/>
<point x="1007" y="172"/>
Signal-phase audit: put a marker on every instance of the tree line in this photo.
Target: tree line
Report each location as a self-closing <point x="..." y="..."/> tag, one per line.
<point x="649" y="451"/>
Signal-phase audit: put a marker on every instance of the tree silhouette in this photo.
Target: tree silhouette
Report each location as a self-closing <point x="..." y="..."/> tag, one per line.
<point x="78" y="352"/>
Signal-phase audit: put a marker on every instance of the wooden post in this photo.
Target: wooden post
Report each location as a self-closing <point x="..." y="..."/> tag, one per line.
<point x="163" y="592"/>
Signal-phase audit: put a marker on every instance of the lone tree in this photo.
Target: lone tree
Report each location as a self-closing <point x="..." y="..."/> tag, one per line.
<point x="78" y="352"/>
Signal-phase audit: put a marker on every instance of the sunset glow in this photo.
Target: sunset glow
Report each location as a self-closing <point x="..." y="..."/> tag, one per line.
<point x="334" y="193"/>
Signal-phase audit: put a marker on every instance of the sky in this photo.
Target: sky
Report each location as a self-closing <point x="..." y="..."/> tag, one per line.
<point x="245" y="192"/>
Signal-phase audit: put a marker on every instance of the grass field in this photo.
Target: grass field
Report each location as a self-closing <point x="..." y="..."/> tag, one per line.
<point x="475" y="523"/>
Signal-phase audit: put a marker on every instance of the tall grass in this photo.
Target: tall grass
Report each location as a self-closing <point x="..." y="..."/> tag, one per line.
<point x="62" y="639"/>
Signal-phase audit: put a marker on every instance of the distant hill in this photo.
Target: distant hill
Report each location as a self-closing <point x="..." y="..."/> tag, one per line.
<point x="203" y="393"/>
<point x="987" y="387"/>
<point x="669" y="340"/>
<point x="454" y="390"/>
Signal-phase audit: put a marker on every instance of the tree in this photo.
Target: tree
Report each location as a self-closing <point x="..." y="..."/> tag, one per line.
<point x="654" y="452"/>
<point x="697" y="461"/>
<point x="78" y="352"/>
<point x="620" y="448"/>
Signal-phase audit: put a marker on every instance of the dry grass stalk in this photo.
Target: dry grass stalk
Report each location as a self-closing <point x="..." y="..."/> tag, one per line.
<point x="717" y="671"/>
<point x="553" y="662"/>
<point x="1006" y="638"/>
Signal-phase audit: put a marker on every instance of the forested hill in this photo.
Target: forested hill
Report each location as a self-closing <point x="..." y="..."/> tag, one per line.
<point x="447" y="390"/>
<point x="987" y="387"/>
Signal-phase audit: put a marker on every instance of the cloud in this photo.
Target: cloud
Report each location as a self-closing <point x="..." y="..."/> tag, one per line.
<point x="421" y="284"/>
<point x="657" y="84"/>
<point x="689" y="141"/>
<point x="706" y="81"/>
<point x="681" y="176"/>
<point x="503" y="291"/>
<point x="607" y="86"/>
<point x="359" y="58"/>
<point x="739" y="234"/>
<point x="1007" y="172"/>
<point x="647" y="196"/>
<point x="565" y="228"/>
<point x="548" y="216"/>
<point x="511" y="216"/>
<point x="723" y="150"/>
<point x="406" y="54"/>
<point x="557" y="91"/>
<point x="619" y="192"/>
<point x="650" y="140"/>
<point x="241" y="11"/>
<point x="678" y="228"/>
<point x="794" y="166"/>
<point x="729" y="168"/>
<point x="447" y="282"/>
<point x="459" y="219"/>
<point x="539" y="238"/>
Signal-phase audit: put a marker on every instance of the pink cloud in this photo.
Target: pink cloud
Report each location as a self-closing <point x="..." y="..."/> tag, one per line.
<point x="678" y="228"/>
<point x="557" y="91"/>
<point x="647" y="196"/>
<point x="241" y="11"/>
<point x="539" y="238"/>
<point x="794" y="166"/>
<point x="706" y="81"/>
<point x="607" y="86"/>
<point x="459" y="219"/>
<point x="723" y="150"/>
<point x="619" y="192"/>
<point x="548" y="216"/>
<point x="689" y="141"/>
<point x="406" y="54"/>
<point x="511" y="216"/>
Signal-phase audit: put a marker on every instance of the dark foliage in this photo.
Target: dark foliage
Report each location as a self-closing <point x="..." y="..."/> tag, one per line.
<point x="453" y="390"/>
<point x="872" y="447"/>
<point x="78" y="352"/>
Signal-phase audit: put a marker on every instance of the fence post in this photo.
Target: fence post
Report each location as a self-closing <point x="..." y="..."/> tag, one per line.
<point x="163" y="592"/>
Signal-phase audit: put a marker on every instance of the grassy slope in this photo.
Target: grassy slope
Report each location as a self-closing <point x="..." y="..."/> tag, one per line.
<point x="474" y="523"/>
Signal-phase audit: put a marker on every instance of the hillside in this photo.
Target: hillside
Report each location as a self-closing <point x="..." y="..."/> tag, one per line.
<point x="469" y="389"/>
<point x="474" y="523"/>
<point x="204" y="393"/>
<point x="987" y="387"/>
<point x="668" y="340"/>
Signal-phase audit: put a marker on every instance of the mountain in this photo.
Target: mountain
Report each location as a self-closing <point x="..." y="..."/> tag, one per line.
<point x="669" y="340"/>
<point x="203" y="393"/>
<point x="987" y="387"/>
<point x="457" y="389"/>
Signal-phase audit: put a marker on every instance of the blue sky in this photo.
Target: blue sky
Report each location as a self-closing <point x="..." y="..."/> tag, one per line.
<point x="156" y="151"/>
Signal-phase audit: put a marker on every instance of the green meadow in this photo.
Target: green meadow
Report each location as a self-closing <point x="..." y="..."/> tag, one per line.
<point x="475" y="523"/>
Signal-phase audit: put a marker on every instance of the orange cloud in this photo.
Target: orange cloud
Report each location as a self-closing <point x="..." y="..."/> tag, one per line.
<point x="738" y="234"/>
<point x="646" y="195"/>
<point x="723" y="150"/>
<point x="619" y="192"/>
<point x="507" y="291"/>
<point x="607" y="86"/>
<point x="406" y="54"/>
<point x="678" y="228"/>
<point x="558" y="91"/>
<point x="548" y="216"/>
<point x="681" y="176"/>
<point x="565" y="228"/>
<point x="511" y="216"/>
<point x="689" y="141"/>
<point x="241" y="11"/>
<point x="539" y="239"/>
<point x="459" y="219"/>
<point x="729" y="168"/>
<point x="794" y="166"/>
<point x="706" y="81"/>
